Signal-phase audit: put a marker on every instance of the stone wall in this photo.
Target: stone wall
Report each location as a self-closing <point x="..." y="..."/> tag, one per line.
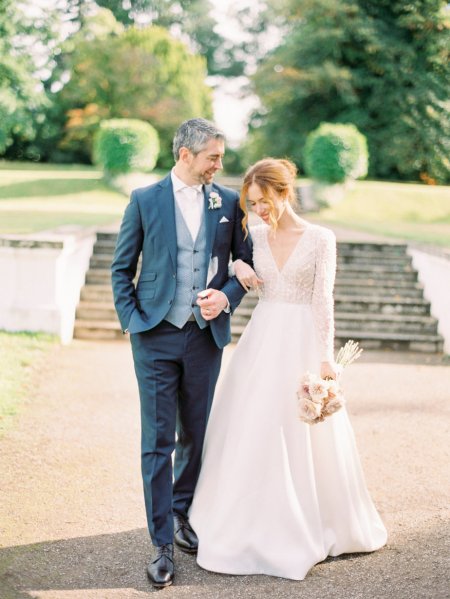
<point x="41" y="276"/>
<point x="433" y="266"/>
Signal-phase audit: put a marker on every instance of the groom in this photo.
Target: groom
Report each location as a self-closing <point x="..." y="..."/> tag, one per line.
<point x="178" y="315"/>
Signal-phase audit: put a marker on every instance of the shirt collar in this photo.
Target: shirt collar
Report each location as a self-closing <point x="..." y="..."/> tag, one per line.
<point x="178" y="184"/>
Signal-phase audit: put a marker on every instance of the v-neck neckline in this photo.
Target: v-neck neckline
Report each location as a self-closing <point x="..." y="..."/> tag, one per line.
<point x="294" y="249"/>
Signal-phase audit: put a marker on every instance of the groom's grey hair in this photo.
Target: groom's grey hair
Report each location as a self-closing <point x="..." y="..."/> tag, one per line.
<point x="194" y="134"/>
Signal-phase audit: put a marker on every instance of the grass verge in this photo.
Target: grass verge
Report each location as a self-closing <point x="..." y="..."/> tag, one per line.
<point x="42" y="197"/>
<point x="36" y="197"/>
<point x="21" y="355"/>
<point x="404" y="211"/>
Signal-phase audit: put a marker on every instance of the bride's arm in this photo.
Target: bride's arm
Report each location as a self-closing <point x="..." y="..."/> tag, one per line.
<point x="322" y="301"/>
<point x="246" y="276"/>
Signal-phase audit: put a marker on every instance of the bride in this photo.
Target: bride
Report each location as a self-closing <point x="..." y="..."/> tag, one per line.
<point x="275" y="495"/>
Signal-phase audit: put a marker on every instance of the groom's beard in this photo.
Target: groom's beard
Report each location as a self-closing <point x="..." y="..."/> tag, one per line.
<point x="207" y="177"/>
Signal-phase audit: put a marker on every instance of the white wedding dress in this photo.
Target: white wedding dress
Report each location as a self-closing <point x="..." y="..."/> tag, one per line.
<point x="275" y="495"/>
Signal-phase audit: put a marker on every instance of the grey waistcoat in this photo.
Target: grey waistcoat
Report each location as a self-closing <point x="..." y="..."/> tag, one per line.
<point x="192" y="270"/>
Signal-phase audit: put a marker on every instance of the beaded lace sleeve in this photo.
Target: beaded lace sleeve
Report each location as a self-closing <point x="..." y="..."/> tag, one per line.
<point x="322" y="294"/>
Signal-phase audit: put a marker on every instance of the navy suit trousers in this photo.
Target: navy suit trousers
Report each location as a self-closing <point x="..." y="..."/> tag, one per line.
<point x="177" y="371"/>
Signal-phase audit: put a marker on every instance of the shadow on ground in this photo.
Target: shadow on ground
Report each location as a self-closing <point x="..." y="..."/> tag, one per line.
<point x="113" y="566"/>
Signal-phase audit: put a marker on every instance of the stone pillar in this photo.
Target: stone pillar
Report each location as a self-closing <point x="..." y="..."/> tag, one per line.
<point x="41" y="277"/>
<point x="433" y="266"/>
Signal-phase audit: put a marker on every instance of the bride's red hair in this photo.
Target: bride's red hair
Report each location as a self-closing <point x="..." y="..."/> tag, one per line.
<point x="276" y="179"/>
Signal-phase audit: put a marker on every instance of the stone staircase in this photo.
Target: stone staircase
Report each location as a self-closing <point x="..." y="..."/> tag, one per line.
<point x="96" y="316"/>
<point x="378" y="300"/>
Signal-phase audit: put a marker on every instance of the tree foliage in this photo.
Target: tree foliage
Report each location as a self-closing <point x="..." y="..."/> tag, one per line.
<point x="382" y="65"/>
<point x="133" y="73"/>
<point x="190" y="20"/>
<point x="21" y="98"/>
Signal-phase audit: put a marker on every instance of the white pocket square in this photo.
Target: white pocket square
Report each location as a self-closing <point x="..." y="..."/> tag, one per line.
<point x="224" y="220"/>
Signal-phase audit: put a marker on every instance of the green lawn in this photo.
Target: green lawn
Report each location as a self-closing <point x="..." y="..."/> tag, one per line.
<point x="21" y="355"/>
<point x="35" y="197"/>
<point x="402" y="210"/>
<point x="38" y="197"/>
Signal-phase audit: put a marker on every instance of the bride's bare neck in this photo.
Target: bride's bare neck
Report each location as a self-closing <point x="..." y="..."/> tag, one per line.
<point x="289" y="220"/>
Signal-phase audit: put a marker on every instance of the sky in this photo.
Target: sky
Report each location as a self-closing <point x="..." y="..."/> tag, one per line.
<point x="231" y="111"/>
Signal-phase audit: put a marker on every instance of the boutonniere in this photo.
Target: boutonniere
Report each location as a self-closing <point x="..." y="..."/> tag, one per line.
<point x="215" y="201"/>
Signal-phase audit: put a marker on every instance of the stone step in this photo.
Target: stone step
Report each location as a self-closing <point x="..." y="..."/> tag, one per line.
<point x="244" y="310"/>
<point x="386" y="269"/>
<point x="100" y="261"/>
<point x="95" y="310"/>
<point x="379" y="248"/>
<point x="342" y="245"/>
<point x="392" y="292"/>
<point x="107" y="236"/>
<point x="374" y="303"/>
<point x="413" y="342"/>
<point x="399" y="323"/>
<point x="365" y="283"/>
<point x="100" y="293"/>
<point x="98" y="329"/>
<point x="398" y="318"/>
<point x="377" y="259"/>
<point x="374" y="277"/>
<point x="248" y="301"/>
<point x="105" y="246"/>
<point x="98" y="276"/>
<point x="381" y="305"/>
<point x="363" y="321"/>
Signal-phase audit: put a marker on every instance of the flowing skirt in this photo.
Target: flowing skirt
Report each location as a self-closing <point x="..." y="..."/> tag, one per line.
<point x="275" y="495"/>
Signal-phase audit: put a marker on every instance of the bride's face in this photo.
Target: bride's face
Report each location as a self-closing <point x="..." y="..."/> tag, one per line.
<point x="262" y="206"/>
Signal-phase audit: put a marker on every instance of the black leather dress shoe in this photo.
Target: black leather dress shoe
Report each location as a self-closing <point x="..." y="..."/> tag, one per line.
<point x="185" y="537"/>
<point x="160" y="570"/>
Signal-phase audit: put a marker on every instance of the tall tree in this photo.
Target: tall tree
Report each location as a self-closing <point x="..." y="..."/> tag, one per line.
<point x="382" y="65"/>
<point x="131" y="73"/>
<point x="189" y="20"/>
<point x="21" y="97"/>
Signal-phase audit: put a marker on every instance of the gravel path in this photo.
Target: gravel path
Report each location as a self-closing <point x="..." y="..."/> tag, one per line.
<point x="72" y="522"/>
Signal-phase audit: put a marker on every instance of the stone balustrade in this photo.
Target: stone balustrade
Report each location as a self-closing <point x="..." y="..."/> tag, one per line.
<point x="41" y="276"/>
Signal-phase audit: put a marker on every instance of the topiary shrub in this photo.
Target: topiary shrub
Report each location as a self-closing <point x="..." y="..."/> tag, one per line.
<point x="335" y="153"/>
<point x="123" y="145"/>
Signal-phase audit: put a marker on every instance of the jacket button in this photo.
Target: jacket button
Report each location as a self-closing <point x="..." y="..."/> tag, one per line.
<point x="174" y="275"/>
<point x="170" y="301"/>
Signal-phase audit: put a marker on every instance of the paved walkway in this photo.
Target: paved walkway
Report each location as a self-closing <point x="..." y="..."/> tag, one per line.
<point x="72" y="523"/>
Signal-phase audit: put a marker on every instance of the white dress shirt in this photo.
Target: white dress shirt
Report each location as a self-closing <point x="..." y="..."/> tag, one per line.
<point x="190" y="201"/>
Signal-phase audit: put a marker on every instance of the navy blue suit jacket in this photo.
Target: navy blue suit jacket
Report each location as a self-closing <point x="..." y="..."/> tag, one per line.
<point x="148" y="228"/>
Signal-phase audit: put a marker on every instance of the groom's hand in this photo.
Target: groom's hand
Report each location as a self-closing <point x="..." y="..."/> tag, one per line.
<point x="211" y="302"/>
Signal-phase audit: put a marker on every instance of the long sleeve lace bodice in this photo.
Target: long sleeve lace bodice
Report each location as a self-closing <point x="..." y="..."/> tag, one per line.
<point x="306" y="278"/>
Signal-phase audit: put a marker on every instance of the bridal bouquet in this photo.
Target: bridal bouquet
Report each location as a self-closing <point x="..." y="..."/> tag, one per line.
<point x="319" y="398"/>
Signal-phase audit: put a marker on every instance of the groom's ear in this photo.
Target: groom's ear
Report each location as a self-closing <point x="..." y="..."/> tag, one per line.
<point x="184" y="154"/>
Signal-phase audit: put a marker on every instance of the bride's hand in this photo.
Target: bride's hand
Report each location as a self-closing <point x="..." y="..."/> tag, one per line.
<point x="246" y="276"/>
<point x="329" y="370"/>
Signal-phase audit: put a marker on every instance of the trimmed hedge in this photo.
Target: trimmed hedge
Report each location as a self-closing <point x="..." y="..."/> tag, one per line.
<point x="336" y="152"/>
<point x="123" y="145"/>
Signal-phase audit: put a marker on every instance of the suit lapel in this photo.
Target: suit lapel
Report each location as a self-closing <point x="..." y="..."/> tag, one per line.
<point x="211" y="219"/>
<point x="166" y="206"/>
